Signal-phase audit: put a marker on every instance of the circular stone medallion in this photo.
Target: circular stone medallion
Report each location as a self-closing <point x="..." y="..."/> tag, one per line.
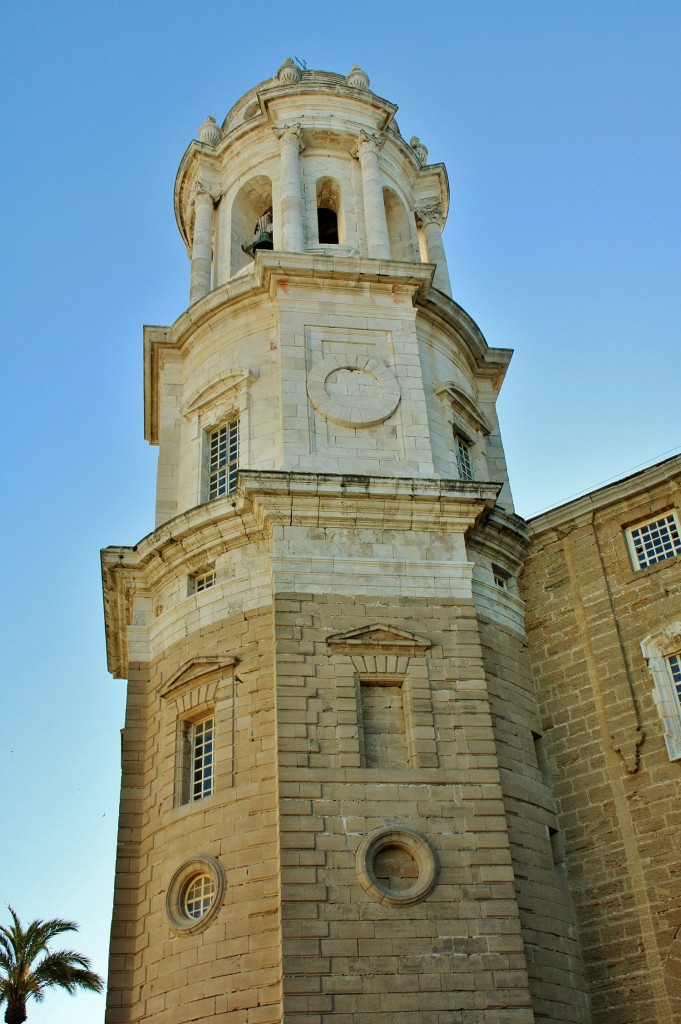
<point x="396" y="865"/>
<point x="353" y="391"/>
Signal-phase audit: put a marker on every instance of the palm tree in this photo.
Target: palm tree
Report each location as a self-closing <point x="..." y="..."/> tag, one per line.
<point x="28" y="966"/>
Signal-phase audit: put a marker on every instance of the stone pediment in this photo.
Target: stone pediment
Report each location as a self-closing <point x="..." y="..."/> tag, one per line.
<point x="464" y="405"/>
<point x="198" y="670"/>
<point x="221" y="385"/>
<point x="378" y="639"/>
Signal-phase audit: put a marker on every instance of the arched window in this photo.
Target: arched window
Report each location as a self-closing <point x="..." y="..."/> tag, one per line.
<point x="327" y="226"/>
<point x="330" y="225"/>
<point x="662" y="651"/>
<point x="401" y="228"/>
<point x="252" y="226"/>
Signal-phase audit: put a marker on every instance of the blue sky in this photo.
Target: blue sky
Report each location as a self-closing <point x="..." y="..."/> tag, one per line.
<point x="559" y="126"/>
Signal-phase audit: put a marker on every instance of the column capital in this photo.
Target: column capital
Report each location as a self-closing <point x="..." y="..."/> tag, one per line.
<point x="368" y="142"/>
<point x="203" y="192"/>
<point x="429" y="213"/>
<point x="290" y="135"/>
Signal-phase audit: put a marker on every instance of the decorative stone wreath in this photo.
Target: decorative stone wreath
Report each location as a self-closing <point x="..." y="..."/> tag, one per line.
<point x="418" y="854"/>
<point x="368" y="399"/>
<point x="187" y="918"/>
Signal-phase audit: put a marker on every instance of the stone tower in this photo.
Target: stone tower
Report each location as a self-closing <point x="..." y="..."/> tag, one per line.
<point x="334" y="805"/>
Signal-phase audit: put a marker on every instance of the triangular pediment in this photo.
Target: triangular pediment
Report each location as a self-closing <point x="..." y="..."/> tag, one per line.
<point x="198" y="670"/>
<point x="379" y="639"/>
<point x="464" y="405"/>
<point x="221" y="385"/>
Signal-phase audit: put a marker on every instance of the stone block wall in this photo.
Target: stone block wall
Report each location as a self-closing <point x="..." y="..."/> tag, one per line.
<point x="457" y="954"/>
<point x="616" y="789"/>
<point x="229" y="970"/>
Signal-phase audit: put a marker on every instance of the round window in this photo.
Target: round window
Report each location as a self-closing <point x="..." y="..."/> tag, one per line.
<point x="396" y="865"/>
<point x="195" y="894"/>
<point x="199" y="893"/>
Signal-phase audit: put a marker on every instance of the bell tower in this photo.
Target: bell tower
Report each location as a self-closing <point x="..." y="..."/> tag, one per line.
<point x="333" y="804"/>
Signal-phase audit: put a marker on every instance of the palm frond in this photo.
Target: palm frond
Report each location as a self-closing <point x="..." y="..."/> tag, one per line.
<point x="29" y="967"/>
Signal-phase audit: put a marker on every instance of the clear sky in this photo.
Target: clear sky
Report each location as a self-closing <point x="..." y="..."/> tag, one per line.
<point x="559" y="126"/>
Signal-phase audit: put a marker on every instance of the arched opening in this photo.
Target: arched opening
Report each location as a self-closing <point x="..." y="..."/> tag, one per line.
<point x="400" y="233"/>
<point x="327" y="226"/>
<point x="329" y="212"/>
<point x="252" y="226"/>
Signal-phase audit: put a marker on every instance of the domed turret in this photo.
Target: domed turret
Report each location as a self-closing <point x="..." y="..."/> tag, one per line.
<point x="321" y="157"/>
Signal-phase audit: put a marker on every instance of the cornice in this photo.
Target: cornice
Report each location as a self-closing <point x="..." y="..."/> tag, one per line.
<point x="264" y="500"/>
<point x="270" y="267"/>
<point x="583" y="507"/>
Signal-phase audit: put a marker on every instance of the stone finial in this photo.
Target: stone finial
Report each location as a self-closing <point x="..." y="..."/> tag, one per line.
<point x="289" y="73"/>
<point x="209" y="132"/>
<point x="357" y="79"/>
<point x="419" y="149"/>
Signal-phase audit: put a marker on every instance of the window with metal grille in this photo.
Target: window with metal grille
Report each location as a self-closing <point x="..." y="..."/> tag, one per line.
<point x="201" y="759"/>
<point x="674" y="662"/>
<point x="654" y="541"/>
<point x="464" y="462"/>
<point x="223" y="459"/>
<point x="199" y="894"/>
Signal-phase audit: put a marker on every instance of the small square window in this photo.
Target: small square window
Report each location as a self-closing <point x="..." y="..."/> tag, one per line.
<point x="501" y="577"/>
<point x="223" y="445"/>
<point x="203" y="582"/>
<point x="464" y="462"/>
<point x="654" y="541"/>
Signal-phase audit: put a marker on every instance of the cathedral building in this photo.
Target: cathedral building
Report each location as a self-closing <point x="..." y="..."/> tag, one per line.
<point x="342" y="797"/>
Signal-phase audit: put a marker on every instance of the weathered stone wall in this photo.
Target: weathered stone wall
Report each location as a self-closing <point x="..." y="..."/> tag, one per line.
<point x="546" y="915"/>
<point x="232" y="968"/>
<point x="616" y="789"/>
<point x="458" y="954"/>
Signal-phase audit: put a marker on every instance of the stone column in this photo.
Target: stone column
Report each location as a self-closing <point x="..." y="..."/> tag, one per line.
<point x="291" y="234"/>
<point x="202" y="247"/>
<point x="430" y="218"/>
<point x="378" y="240"/>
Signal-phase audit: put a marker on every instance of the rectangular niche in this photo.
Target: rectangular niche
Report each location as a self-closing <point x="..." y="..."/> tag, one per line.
<point x="383" y="738"/>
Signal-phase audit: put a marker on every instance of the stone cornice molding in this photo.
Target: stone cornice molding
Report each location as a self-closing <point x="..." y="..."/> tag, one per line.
<point x="463" y="405"/>
<point x="378" y="638"/>
<point x="223" y="384"/>
<point x="396" y="503"/>
<point x="664" y="642"/>
<point x="120" y="584"/>
<point x="502" y="537"/>
<point x="580" y="510"/>
<point x="163" y="343"/>
<point x="264" y="500"/>
<point x="197" y="671"/>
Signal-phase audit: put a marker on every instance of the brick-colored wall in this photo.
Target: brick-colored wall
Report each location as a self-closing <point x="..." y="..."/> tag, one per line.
<point x="458" y="955"/>
<point x="231" y="970"/>
<point x="616" y="789"/>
